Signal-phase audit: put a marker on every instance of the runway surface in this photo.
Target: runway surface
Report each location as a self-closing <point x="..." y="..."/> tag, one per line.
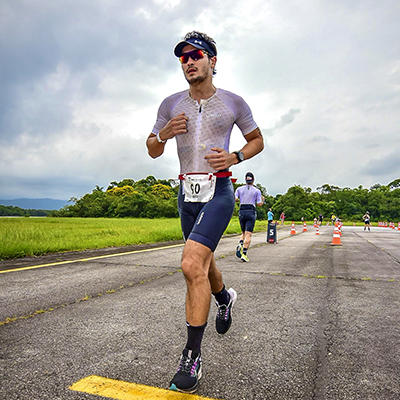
<point x="312" y="321"/>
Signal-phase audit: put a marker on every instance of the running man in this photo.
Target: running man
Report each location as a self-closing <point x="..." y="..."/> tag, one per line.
<point x="248" y="196"/>
<point x="201" y="120"/>
<point x="367" y="221"/>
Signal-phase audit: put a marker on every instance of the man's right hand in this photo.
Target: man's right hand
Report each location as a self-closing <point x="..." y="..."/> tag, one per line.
<point x="175" y="126"/>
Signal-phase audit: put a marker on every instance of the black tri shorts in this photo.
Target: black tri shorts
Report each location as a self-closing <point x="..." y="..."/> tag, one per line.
<point x="247" y="217"/>
<point x="205" y="223"/>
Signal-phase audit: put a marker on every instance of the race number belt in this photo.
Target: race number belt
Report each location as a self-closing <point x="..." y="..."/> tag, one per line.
<point x="200" y="187"/>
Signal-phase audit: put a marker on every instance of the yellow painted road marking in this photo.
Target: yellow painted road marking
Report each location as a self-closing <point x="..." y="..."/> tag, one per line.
<point x="89" y="259"/>
<point x="121" y="390"/>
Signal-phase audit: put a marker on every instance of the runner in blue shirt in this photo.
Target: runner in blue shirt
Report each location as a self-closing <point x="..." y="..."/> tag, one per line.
<point x="201" y="120"/>
<point x="270" y="215"/>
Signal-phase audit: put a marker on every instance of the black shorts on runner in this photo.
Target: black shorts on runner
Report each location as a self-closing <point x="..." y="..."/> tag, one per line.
<point x="205" y="223"/>
<point x="247" y="217"/>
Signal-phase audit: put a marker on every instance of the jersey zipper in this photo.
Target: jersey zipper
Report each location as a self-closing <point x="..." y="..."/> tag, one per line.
<point x="198" y="128"/>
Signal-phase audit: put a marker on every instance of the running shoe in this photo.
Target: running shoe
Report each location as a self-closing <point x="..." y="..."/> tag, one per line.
<point x="224" y="313"/>
<point x="244" y="258"/>
<point x="188" y="374"/>
<point x="239" y="250"/>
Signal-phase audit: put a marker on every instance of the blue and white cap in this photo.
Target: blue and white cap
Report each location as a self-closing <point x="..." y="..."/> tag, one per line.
<point x="198" y="43"/>
<point x="249" y="177"/>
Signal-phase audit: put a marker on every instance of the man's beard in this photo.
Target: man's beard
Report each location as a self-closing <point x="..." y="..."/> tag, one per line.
<point x="197" y="79"/>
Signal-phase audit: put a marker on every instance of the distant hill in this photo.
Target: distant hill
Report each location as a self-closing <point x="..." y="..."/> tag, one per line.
<point x="35" y="204"/>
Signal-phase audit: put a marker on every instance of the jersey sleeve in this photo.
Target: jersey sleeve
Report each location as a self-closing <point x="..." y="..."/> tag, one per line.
<point x="241" y="111"/>
<point x="259" y="199"/>
<point x="237" y="194"/>
<point x="163" y="116"/>
<point x="244" y="117"/>
<point x="166" y="110"/>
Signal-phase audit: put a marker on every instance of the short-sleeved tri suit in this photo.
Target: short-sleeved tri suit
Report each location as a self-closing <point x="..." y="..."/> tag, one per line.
<point x="249" y="196"/>
<point x="210" y="125"/>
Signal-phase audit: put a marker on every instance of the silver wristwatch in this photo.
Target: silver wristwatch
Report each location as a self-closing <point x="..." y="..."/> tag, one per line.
<point x="159" y="140"/>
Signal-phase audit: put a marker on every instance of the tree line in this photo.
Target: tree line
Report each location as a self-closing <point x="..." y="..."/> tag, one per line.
<point x="382" y="202"/>
<point x="12" y="211"/>
<point x="157" y="198"/>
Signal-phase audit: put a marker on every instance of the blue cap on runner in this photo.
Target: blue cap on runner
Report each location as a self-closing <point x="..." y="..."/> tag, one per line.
<point x="198" y="44"/>
<point x="249" y="177"/>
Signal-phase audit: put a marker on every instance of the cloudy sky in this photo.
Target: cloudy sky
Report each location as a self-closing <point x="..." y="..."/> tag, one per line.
<point x="81" y="82"/>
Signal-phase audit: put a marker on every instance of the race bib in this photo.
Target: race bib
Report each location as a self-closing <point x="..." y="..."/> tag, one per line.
<point x="199" y="188"/>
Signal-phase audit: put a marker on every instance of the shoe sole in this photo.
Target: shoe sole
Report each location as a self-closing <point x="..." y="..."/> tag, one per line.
<point x="191" y="390"/>
<point x="238" y="251"/>
<point x="231" y="290"/>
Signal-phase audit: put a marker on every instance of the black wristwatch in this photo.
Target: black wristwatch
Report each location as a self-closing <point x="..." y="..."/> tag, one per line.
<point x="240" y="156"/>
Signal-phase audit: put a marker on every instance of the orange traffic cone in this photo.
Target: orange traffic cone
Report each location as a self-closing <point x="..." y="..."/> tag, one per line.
<point x="317" y="231"/>
<point x="293" y="230"/>
<point x="336" y="237"/>
<point x="305" y="227"/>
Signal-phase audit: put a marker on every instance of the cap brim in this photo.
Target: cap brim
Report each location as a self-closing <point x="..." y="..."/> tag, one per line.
<point x="179" y="47"/>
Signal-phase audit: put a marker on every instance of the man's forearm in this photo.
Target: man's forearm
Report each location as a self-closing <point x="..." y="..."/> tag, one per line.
<point x="253" y="147"/>
<point x="154" y="147"/>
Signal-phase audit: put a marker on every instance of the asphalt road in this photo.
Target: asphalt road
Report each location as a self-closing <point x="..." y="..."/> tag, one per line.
<point x="312" y="321"/>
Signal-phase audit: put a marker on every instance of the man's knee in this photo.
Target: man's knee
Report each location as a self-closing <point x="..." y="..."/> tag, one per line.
<point x="192" y="271"/>
<point x="195" y="263"/>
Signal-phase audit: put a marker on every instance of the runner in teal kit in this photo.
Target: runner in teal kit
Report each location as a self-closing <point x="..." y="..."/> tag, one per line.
<point x="201" y="120"/>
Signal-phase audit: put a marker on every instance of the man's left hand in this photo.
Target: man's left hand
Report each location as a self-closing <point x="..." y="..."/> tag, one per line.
<point x="221" y="159"/>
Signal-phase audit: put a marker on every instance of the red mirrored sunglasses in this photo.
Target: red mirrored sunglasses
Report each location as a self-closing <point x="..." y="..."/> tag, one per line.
<point x="194" y="55"/>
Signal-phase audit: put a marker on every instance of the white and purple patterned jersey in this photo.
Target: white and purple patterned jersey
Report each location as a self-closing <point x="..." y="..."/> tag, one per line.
<point x="248" y="194"/>
<point x="210" y="125"/>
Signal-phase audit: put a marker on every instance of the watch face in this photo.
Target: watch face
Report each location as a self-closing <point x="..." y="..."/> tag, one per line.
<point x="240" y="156"/>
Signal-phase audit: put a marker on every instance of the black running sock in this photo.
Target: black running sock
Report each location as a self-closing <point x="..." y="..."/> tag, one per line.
<point x="241" y="242"/>
<point x="244" y="250"/>
<point x="222" y="297"/>
<point x="195" y="336"/>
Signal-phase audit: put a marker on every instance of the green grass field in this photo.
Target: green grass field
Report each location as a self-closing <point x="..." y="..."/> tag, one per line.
<point x="21" y="237"/>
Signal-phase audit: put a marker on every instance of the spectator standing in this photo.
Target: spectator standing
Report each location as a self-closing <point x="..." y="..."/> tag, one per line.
<point x="367" y="221"/>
